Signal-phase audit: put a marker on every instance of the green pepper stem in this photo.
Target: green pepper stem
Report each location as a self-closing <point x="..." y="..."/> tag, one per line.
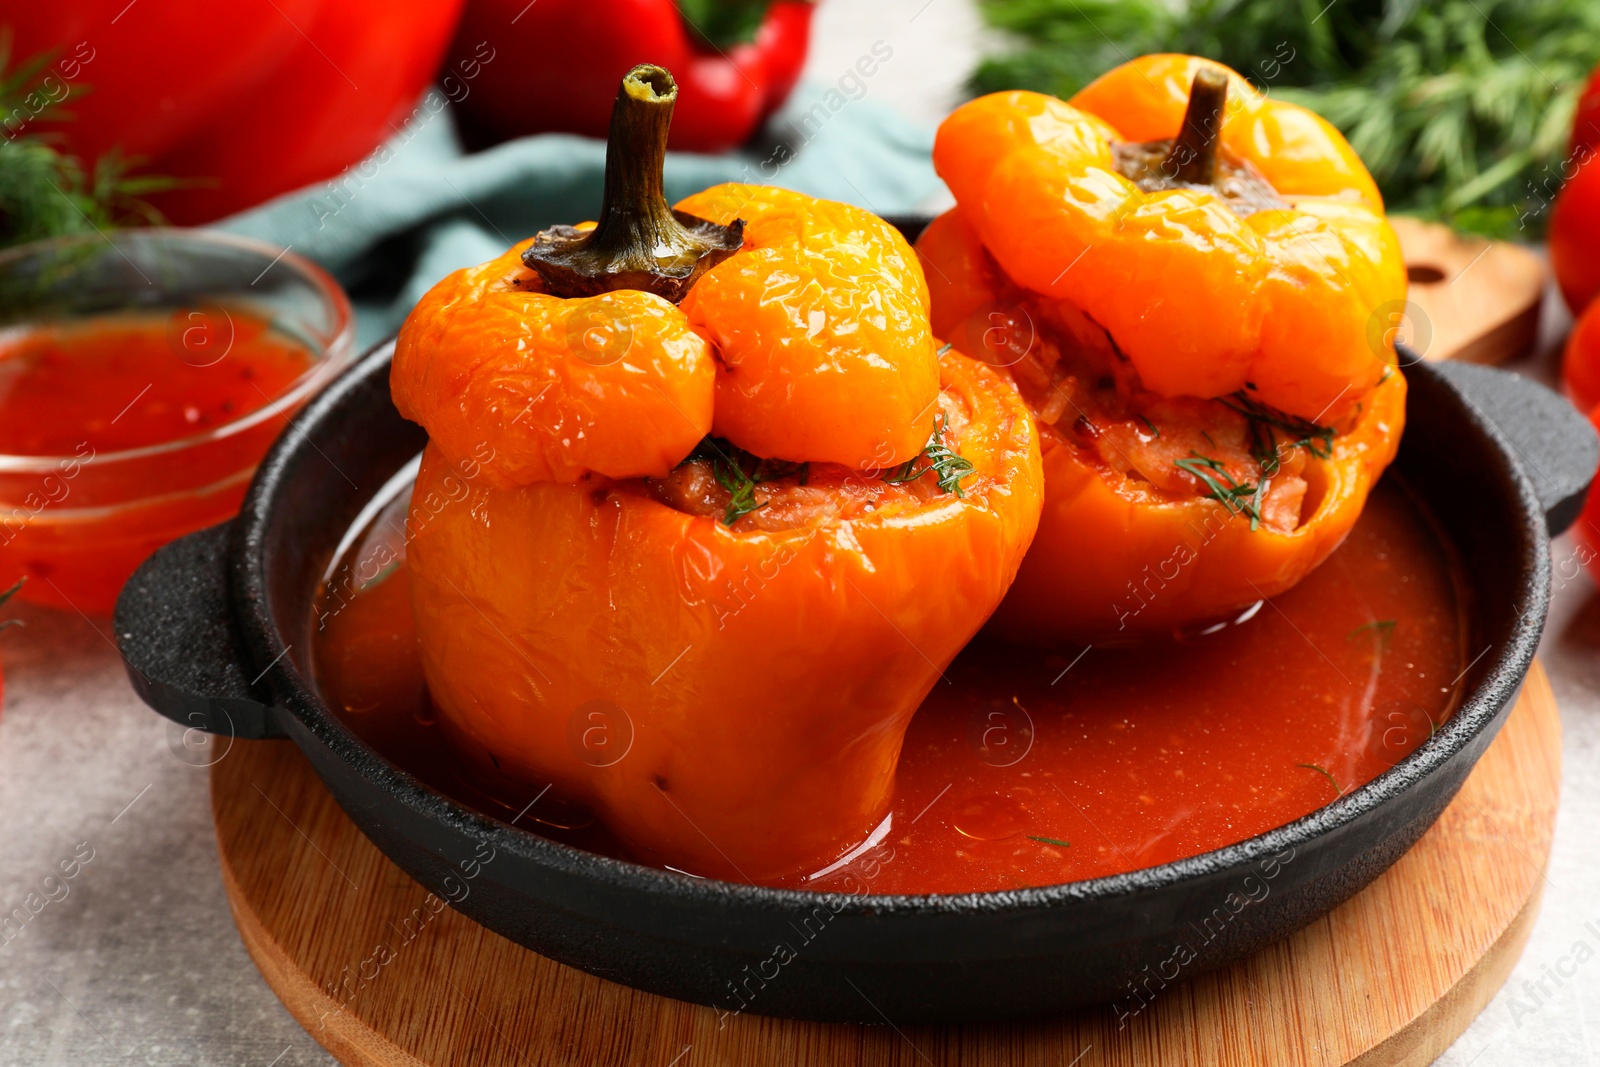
<point x="1193" y="157"/>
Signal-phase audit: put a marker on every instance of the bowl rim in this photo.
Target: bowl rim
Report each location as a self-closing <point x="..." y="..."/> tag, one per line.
<point x="1480" y="709"/>
<point x="335" y="351"/>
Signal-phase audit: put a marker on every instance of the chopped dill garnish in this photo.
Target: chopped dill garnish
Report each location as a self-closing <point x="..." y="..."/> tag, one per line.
<point x="741" y="491"/>
<point x="1265" y="423"/>
<point x="1381" y="628"/>
<point x="948" y="467"/>
<point x="1050" y="840"/>
<point x="905" y="472"/>
<point x="739" y="473"/>
<point x="1331" y="779"/>
<point x="1154" y="432"/>
<point x="947" y="346"/>
<point x="1237" y="498"/>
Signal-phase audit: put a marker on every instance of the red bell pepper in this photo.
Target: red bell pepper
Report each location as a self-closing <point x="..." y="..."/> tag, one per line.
<point x="559" y="62"/>
<point x="246" y="99"/>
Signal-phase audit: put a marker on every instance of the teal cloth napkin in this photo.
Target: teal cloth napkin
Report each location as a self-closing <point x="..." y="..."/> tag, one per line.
<point x="421" y="207"/>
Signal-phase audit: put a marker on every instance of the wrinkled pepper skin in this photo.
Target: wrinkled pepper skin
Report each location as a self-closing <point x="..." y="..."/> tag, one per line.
<point x="1201" y="300"/>
<point x="766" y="678"/>
<point x="1114" y="564"/>
<point x="1200" y="303"/>
<point x="753" y="676"/>
<point x="619" y="384"/>
<point x="821" y="291"/>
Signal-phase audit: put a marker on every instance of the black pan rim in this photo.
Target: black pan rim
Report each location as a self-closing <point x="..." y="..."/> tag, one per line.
<point x="1482" y="709"/>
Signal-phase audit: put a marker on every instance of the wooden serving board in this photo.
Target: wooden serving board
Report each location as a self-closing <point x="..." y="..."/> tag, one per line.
<point x="1391" y="977"/>
<point x="1469" y="298"/>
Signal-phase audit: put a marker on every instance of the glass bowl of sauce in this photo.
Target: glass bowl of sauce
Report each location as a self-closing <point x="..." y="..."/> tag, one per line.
<point x="143" y="375"/>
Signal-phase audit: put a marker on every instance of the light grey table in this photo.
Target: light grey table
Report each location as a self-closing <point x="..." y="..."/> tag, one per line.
<point x="136" y="961"/>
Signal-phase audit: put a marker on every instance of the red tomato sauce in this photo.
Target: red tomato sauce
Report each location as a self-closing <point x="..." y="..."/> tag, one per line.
<point x="1027" y="768"/>
<point x="81" y="395"/>
<point x="128" y="382"/>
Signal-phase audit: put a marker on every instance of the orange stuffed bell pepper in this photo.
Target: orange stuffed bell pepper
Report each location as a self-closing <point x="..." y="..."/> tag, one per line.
<point x="1195" y="289"/>
<point x="734" y="510"/>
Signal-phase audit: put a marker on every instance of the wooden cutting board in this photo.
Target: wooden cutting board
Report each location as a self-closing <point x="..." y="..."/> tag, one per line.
<point x="1469" y="298"/>
<point x="1391" y="977"/>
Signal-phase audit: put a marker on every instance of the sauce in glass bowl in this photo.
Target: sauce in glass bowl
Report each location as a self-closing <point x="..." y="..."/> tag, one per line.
<point x="142" y="378"/>
<point x="1028" y="768"/>
<point x="117" y="383"/>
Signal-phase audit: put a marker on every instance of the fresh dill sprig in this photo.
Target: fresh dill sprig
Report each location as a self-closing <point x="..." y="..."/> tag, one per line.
<point x="1265" y="422"/>
<point x="947" y="466"/>
<point x="1050" y="840"/>
<point x="45" y="193"/>
<point x="741" y="492"/>
<point x="1337" y="788"/>
<point x="727" y="467"/>
<point x="739" y="472"/>
<point x="1238" y="498"/>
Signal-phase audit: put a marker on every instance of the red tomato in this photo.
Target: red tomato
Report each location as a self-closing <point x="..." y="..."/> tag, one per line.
<point x="1580" y="367"/>
<point x="249" y="99"/>
<point x="1575" y="235"/>
<point x="1586" y="123"/>
<point x="1588" y="526"/>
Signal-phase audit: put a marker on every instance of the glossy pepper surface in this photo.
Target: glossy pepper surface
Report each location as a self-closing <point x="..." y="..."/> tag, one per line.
<point x="617" y="384"/>
<point x="820" y="293"/>
<point x="718" y="651"/>
<point x="1215" y="391"/>
<point x="1201" y="298"/>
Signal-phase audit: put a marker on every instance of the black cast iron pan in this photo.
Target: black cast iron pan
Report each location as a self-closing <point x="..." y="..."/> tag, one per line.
<point x="216" y="627"/>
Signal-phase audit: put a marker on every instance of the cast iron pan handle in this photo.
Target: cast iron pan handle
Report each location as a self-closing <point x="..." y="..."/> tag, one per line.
<point x="1556" y="444"/>
<point x="181" y="646"/>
